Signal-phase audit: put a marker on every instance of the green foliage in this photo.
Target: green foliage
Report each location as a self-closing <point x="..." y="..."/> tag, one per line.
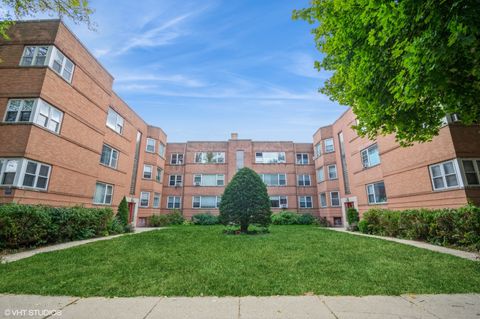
<point x="245" y="201"/>
<point x="400" y="65"/>
<point x="115" y="227"/>
<point x="285" y="218"/>
<point x="323" y="222"/>
<point x="76" y="10"/>
<point x="205" y="219"/>
<point x="352" y="216"/>
<point x="123" y="212"/>
<point x="307" y="219"/>
<point x="447" y="227"/>
<point x="158" y="220"/>
<point x="175" y="217"/>
<point x="33" y="225"/>
<point x="252" y="230"/>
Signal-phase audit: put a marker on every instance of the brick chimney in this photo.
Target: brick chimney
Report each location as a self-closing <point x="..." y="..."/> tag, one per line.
<point x="234" y="136"/>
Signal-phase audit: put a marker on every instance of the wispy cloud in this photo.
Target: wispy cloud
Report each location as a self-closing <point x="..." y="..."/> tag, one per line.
<point x="177" y="79"/>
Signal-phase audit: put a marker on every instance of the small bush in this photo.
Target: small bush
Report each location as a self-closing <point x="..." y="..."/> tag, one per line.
<point x="285" y="218"/>
<point x="363" y="226"/>
<point x="115" y="227"/>
<point x="307" y="219"/>
<point x="252" y="230"/>
<point x="323" y="222"/>
<point x="175" y="217"/>
<point x="205" y="219"/>
<point x="159" y="220"/>
<point x="122" y="212"/>
<point x="352" y="216"/>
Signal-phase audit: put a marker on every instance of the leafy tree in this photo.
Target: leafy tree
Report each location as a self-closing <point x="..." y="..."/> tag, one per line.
<point x="245" y="201"/>
<point x="401" y="65"/>
<point x="122" y="213"/>
<point x="76" y="10"/>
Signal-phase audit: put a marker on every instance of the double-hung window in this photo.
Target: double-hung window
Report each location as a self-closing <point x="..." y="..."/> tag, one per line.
<point x="305" y="201"/>
<point x="24" y="173"/>
<point x="150" y="148"/>
<point x="206" y="201"/>
<point x="278" y="201"/>
<point x="471" y="169"/>
<point x="320" y="175"/>
<point x="62" y="65"/>
<point x="210" y="157"/>
<point x="144" y="199"/>
<point x="147" y="171"/>
<point x="175" y="180"/>
<point x="323" y="200"/>
<point x="332" y="171"/>
<point x="159" y="175"/>
<point x="109" y="156"/>
<point x="20" y="110"/>
<point x="174" y="202"/>
<point x="329" y="147"/>
<point x="335" y="199"/>
<point x="318" y="149"/>
<point x="370" y="156"/>
<point x="270" y="157"/>
<point x="274" y="179"/>
<point x="156" y="200"/>
<point x="444" y="175"/>
<point x="176" y="159"/>
<point x="303" y="180"/>
<point x="35" y="55"/>
<point x="161" y="149"/>
<point x="34" y="111"/>
<point x="376" y="193"/>
<point x="48" y="55"/>
<point x="115" y="121"/>
<point x="209" y="179"/>
<point x="103" y="194"/>
<point x="302" y="158"/>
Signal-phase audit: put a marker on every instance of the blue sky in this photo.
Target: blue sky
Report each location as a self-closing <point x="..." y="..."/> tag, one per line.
<point x="203" y="69"/>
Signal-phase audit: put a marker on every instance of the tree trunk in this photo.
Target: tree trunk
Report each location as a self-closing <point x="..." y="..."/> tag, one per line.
<point x="244" y="228"/>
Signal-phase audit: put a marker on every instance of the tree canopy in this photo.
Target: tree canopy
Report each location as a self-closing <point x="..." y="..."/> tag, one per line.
<point x="245" y="201"/>
<point x="402" y="65"/>
<point x="76" y="10"/>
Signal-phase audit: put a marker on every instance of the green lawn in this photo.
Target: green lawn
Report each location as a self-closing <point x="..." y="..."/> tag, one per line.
<point x="200" y="260"/>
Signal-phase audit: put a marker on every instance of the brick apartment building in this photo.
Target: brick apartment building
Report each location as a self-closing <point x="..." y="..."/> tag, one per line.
<point x="66" y="138"/>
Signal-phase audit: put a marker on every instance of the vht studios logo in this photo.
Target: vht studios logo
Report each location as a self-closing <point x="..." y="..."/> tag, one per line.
<point x="31" y="312"/>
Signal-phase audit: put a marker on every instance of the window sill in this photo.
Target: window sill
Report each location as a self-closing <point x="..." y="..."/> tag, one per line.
<point x="376" y="204"/>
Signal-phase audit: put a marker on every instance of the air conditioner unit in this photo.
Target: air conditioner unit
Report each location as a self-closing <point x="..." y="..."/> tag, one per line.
<point x="178" y="184"/>
<point x="283" y="206"/>
<point x="197" y="183"/>
<point x="455" y="117"/>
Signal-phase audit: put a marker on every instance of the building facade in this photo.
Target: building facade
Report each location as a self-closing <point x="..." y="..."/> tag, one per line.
<point x="66" y="138"/>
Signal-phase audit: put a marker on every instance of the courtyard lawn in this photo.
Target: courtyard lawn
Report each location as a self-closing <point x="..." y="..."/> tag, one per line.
<point x="201" y="261"/>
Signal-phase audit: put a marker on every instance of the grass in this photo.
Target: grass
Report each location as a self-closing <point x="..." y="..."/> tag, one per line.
<point x="201" y="261"/>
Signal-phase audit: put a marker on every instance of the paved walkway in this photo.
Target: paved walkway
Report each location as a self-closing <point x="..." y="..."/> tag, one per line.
<point x="419" y="244"/>
<point x="30" y="253"/>
<point x="318" y="307"/>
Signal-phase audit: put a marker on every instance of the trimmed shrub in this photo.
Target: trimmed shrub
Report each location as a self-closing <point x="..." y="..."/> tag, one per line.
<point x="205" y="219"/>
<point x="307" y="219"/>
<point x="285" y="218"/>
<point x="122" y="212"/>
<point x="24" y="226"/>
<point x="159" y="220"/>
<point x="175" y="217"/>
<point x="447" y="227"/>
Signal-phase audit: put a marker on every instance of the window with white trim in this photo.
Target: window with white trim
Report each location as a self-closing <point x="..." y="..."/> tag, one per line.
<point x="34" y="111"/>
<point x="305" y="202"/>
<point x="147" y="171"/>
<point x="471" y="170"/>
<point x="270" y="157"/>
<point x="323" y="200"/>
<point x="318" y="149"/>
<point x="35" y="55"/>
<point x="206" y="201"/>
<point x="302" y="159"/>
<point x="48" y="55"/>
<point x="103" y="194"/>
<point x="370" y="156"/>
<point x="175" y="180"/>
<point x="444" y="175"/>
<point x="303" y="180"/>
<point x="24" y="173"/>
<point x="161" y="149"/>
<point x="209" y="179"/>
<point x="150" y="147"/>
<point x="109" y="156"/>
<point x="159" y="175"/>
<point x="279" y="201"/>
<point x="156" y="200"/>
<point x="144" y="199"/>
<point x="320" y="175"/>
<point x="334" y="199"/>
<point x="274" y="179"/>
<point x="174" y="202"/>
<point x="332" y="171"/>
<point x="376" y="193"/>
<point x="209" y="157"/>
<point x="329" y="147"/>
<point x="176" y="159"/>
<point x="115" y="121"/>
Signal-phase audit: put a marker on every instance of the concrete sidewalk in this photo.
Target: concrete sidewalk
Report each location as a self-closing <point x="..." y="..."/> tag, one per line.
<point x="382" y="307"/>
<point x="419" y="244"/>
<point x="30" y="253"/>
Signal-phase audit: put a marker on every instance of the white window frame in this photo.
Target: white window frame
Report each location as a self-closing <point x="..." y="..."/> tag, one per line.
<point x="157" y="198"/>
<point x="219" y="180"/>
<point x="302" y="179"/>
<point x="317" y="149"/>
<point x="52" y="56"/>
<point x="280" y="198"/>
<point x="199" y="201"/>
<point x="107" y="186"/>
<point x="159" y="175"/>
<point x="147" y="198"/>
<point x="119" y="125"/>
<point x="21" y="171"/>
<point x="33" y="63"/>
<point x="113" y="160"/>
<point x="145" y="171"/>
<point x="260" y="158"/>
<point x="174" y="200"/>
<point x="322" y="175"/>
<point x="331" y="199"/>
<point x="375" y="202"/>
<point x="320" y="200"/>
<point x="177" y="181"/>
<point x="217" y="158"/>
<point x="305" y="201"/>
<point x="161" y="149"/>
<point x="177" y="157"/>
<point x="336" y="172"/>
<point x="148" y="145"/>
<point x="327" y="147"/>
<point x="476" y="168"/>
<point x="278" y="178"/>
<point x="366" y="151"/>
<point x="443" y="176"/>
<point x="302" y="159"/>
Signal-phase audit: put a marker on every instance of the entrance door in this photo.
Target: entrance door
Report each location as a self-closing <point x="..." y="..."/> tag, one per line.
<point x="131" y="210"/>
<point x="349" y="205"/>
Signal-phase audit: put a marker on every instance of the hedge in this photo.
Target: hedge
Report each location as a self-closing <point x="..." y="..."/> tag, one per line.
<point x="24" y="226"/>
<point x="446" y="227"/>
<point x="292" y="218"/>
